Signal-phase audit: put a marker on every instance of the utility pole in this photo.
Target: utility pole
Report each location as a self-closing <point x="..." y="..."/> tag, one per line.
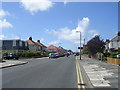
<point x="80" y="45"/>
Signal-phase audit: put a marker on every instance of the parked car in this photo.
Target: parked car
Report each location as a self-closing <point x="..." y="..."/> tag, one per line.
<point x="11" y="56"/>
<point x="117" y="56"/>
<point x="52" y="55"/>
<point x="58" y="54"/>
<point x="77" y="54"/>
<point x="63" y="54"/>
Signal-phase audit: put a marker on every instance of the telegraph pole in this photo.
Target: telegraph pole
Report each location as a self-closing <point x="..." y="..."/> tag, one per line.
<point x="80" y="45"/>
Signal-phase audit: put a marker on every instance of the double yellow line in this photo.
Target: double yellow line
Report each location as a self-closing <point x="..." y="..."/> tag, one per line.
<point x="79" y="76"/>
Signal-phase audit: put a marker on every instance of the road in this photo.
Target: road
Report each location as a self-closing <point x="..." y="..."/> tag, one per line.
<point x="43" y="73"/>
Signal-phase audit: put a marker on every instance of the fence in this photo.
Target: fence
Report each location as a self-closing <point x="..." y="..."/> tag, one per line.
<point x="113" y="60"/>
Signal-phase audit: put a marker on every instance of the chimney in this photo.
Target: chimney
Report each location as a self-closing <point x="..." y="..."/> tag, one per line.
<point x="118" y="33"/>
<point x="107" y="40"/>
<point x="38" y="41"/>
<point x="30" y="38"/>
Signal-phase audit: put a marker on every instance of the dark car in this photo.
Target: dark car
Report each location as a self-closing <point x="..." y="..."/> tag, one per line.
<point x="77" y="54"/>
<point x="11" y="56"/>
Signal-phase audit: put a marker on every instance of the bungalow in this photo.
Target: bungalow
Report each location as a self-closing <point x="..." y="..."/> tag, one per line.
<point x="14" y="46"/>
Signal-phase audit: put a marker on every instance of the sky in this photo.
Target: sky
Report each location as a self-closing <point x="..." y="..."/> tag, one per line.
<point x="57" y="23"/>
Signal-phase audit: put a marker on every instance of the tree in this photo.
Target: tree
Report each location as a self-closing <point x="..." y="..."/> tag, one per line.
<point x="95" y="45"/>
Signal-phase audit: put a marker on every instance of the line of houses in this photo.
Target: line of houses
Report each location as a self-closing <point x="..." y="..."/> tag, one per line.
<point x="14" y="46"/>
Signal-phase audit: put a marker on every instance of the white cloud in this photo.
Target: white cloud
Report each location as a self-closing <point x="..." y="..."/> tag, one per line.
<point x="36" y="5"/>
<point x="3" y="13"/>
<point x="2" y="36"/>
<point x="42" y="39"/>
<point x="5" y="24"/>
<point x="93" y="33"/>
<point x="16" y="37"/>
<point x="65" y="2"/>
<point x="54" y="42"/>
<point x="72" y="35"/>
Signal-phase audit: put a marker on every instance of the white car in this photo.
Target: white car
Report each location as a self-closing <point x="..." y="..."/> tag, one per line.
<point x="118" y="56"/>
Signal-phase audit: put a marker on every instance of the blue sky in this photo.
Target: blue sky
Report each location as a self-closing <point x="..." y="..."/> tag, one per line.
<point x="55" y="23"/>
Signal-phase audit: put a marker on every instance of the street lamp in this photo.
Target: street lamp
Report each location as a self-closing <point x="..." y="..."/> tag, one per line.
<point x="80" y="43"/>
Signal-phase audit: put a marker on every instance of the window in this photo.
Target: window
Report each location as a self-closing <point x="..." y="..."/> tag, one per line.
<point x="20" y="43"/>
<point x="26" y="44"/>
<point x="14" y="42"/>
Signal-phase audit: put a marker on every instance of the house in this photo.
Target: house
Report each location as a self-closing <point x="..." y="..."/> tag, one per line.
<point x="61" y="49"/>
<point x="41" y="47"/>
<point x="114" y="43"/>
<point x="52" y="48"/>
<point x="33" y="46"/>
<point x="14" y="46"/>
<point x="44" y="48"/>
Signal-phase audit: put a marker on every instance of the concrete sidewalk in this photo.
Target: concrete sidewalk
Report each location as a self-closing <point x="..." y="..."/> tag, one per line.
<point x="101" y="74"/>
<point x="10" y="63"/>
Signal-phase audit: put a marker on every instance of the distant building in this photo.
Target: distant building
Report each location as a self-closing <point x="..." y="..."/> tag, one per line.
<point x="14" y="46"/>
<point x="53" y="48"/>
<point x="61" y="49"/>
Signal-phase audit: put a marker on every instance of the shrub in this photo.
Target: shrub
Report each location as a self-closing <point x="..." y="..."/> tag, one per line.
<point x="5" y="54"/>
<point x="20" y="54"/>
<point x="112" y="54"/>
<point x="32" y="54"/>
<point x="46" y="54"/>
<point x="29" y="54"/>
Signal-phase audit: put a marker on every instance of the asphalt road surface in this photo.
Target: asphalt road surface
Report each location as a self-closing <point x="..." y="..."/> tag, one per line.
<point x="43" y="73"/>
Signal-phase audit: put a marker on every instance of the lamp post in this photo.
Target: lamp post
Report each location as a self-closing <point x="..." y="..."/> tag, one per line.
<point x="80" y="43"/>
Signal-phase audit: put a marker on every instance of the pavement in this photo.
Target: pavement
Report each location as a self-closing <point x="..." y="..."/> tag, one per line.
<point x="101" y="74"/>
<point x="10" y="63"/>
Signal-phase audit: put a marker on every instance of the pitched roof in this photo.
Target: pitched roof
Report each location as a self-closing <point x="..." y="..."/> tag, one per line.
<point x="61" y="48"/>
<point x="30" y="42"/>
<point x="43" y="45"/>
<point x="52" y="47"/>
<point x="116" y="38"/>
<point x="40" y="44"/>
